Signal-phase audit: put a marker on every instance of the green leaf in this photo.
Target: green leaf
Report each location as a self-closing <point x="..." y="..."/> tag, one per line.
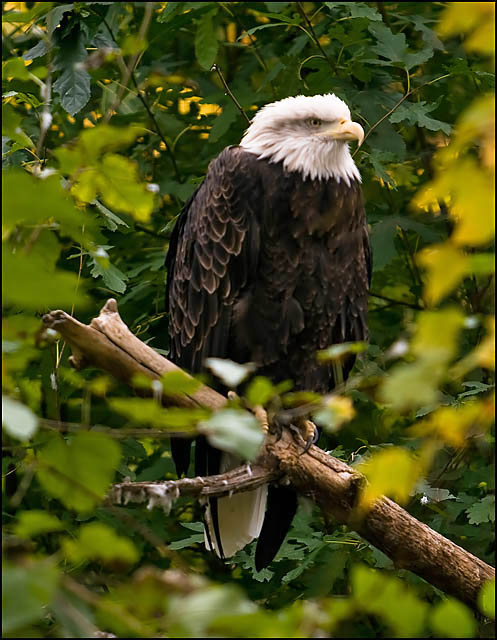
<point x="113" y="277"/>
<point x="196" y="538"/>
<point x="234" y="431"/>
<point x="98" y="542"/>
<point x="452" y="619"/>
<point x="230" y="373"/>
<point x="73" y="84"/>
<point x="37" y="51"/>
<point x="390" y="45"/>
<point x="95" y="141"/>
<point x="78" y="472"/>
<point x="110" y="218"/>
<point x="11" y="126"/>
<point x="276" y="6"/>
<point x="259" y="391"/>
<point x="486" y="599"/>
<point x="338" y="351"/>
<point x="182" y="191"/>
<point x="482" y="511"/>
<point x="223" y="122"/>
<point x="32" y="200"/>
<point x="54" y="17"/>
<point x="37" y="283"/>
<point x="35" y="523"/>
<point x="118" y="184"/>
<point x="15" y="68"/>
<point x="415" y="113"/>
<point x="206" y="43"/>
<point x="23" y="17"/>
<point x="389" y="598"/>
<point x="176" y="382"/>
<point x="171" y="10"/>
<point x="147" y="412"/>
<point x="18" y="420"/>
<point x="34" y="586"/>
<point x="357" y="10"/>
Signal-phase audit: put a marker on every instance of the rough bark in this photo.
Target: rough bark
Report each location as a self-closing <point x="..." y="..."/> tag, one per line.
<point x="108" y="344"/>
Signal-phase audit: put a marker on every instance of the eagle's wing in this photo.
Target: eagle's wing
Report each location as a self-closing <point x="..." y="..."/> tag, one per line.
<point x="212" y="259"/>
<point x="212" y="255"/>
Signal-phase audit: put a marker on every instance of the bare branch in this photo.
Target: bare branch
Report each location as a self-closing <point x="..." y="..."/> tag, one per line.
<point x="228" y="92"/>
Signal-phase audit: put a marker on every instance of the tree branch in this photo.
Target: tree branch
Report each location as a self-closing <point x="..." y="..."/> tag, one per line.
<point x="107" y="343"/>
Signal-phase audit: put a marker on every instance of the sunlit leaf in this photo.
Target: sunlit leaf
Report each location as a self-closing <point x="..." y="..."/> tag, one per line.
<point x="452" y="619"/>
<point x="148" y="412"/>
<point x="259" y="391"/>
<point x="486" y="599"/>
<point x="390" y="599"/>
<point x="392" y="472"/>
<point x="337" y="351"/>
<point x="35" y="522"/>
<point x="477" y="18"/>
<point x="15" y="68"/>
<point x="175" y="382"/>
<point x="96" y="541"/>
<point x="454" y="425"/>
<point x="446" y="266"/>
<point x="78" y="472"/>
<point x="335" y="412"/>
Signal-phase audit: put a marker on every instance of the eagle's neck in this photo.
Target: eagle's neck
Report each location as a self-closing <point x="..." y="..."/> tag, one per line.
<point x="320" y="160"/>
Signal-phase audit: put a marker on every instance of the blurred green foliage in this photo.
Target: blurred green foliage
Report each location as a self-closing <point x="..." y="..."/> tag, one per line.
<point x="110" y="118"/>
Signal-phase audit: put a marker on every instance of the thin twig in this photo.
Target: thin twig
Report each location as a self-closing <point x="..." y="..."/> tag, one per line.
<point x="132" y="63"/>
<point x="314" y="37"/>
<point x="157" y="129"/>
<point x="144" y="101"/>
<point x="399" y="302"/>
<point x="227" y="92"/>
<point x="397" y="104"/>
<point x="119" y="434"/>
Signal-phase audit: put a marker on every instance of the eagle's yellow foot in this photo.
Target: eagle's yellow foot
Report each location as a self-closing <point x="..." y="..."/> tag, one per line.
<point x="307" y="431"/>
<point x="261" y="415"/>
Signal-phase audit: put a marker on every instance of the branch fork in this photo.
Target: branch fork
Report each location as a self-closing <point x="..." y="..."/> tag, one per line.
<point x="108" y="344"/>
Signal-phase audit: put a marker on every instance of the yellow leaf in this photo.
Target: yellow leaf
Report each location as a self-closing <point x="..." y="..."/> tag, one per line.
<point x="470" y="16"/>
<point x="437" y="334"/>
<point x="485" y="352"/>
<point x="446" y="266"/>
<point x="478" y="123"/>
<point x="482" y="356"/>
<point x="453" y="425"/>
<point x="407" y="386"/>
<point x="392" y="472"/>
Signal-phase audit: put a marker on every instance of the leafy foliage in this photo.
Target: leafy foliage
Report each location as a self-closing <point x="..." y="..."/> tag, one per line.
<point x="110" y="118"/>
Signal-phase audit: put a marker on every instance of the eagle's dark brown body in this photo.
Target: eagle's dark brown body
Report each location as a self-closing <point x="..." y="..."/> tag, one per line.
<point x="268" y="267"/>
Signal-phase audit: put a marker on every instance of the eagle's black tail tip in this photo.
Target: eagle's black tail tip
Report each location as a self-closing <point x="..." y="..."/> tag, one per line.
<point x="281" y="508"/>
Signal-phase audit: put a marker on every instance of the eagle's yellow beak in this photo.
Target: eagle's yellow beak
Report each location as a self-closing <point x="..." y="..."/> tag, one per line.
<point x="346" y="130"/>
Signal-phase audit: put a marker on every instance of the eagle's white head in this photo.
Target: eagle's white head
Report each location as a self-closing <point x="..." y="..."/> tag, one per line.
<point x="308" y="134"/>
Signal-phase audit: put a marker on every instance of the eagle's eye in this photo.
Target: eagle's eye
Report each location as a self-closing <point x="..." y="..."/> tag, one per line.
<point x="314" y="122"/>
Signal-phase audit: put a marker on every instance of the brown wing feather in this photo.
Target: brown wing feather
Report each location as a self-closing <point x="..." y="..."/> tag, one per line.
<point x="212" y="253"/>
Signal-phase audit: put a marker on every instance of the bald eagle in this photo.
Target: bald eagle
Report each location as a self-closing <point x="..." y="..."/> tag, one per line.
<point x="268" y="263"/>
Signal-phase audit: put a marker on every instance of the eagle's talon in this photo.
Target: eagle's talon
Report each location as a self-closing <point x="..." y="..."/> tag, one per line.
<point x="311" y="440"/>
<point x="261" y="415"/>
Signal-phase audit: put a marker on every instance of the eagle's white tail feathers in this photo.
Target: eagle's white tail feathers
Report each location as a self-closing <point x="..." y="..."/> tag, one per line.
<point x="240" y="516"/>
